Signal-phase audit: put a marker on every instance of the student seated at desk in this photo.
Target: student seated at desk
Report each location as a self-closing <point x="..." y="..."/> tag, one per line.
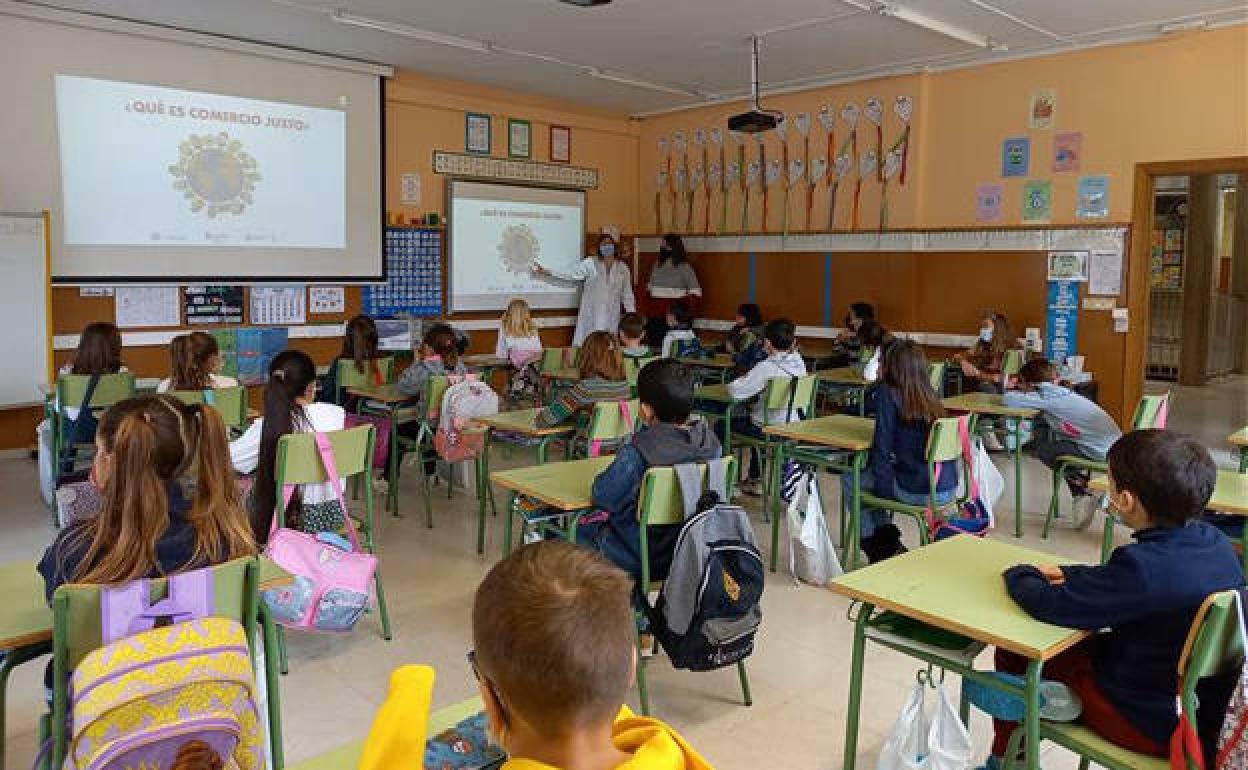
<point x="196" y="364"/>
<point x="669" y="436"/>
<point x="1146" y="595"/>
<point x="849" y="340"/>
<point x="290" y="406"/>
<point x="745" y="339"/>
<point x="360" y="347"/>
<point x="782" y="361"/>
<point x="1070" y="425"/>
<point x="632" y="335"/>
<point x="906" y="406"/>
<point x="602" y="379"/>
<point x="170" y="502"/>
<point x="981" y="365"/>
<point x="99" y="352"/>
<point x="519" y="343"/>
<point x="680" y="341"/>
<point x="438" y="355"/>
<point x="552" y="627"/>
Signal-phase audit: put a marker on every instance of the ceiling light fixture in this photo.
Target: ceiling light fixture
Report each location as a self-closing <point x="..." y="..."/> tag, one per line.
<point x="911" y="16"/>
<point x="343" y="16"/>
<point x="1179" y="27"/>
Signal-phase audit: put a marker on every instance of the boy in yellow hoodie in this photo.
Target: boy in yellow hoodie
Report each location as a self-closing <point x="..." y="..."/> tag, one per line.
<point x="553" y="628"/>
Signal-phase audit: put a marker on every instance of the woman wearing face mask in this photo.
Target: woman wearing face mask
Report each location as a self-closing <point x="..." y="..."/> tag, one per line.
<point x="981" y="365"/>
<point x="608" y="286"/>
<point x="672" y="277"/>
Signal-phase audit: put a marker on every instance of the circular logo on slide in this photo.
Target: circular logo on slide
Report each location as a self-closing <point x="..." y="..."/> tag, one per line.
<point x="518" y="248"/>
<point x="215" y="174"/>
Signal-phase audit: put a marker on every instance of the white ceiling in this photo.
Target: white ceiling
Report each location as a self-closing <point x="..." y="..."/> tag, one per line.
<point x="698" y="46"/>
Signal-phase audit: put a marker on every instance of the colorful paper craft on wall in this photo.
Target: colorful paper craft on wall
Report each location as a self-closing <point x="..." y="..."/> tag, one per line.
<point x="849" y="113"/>
<point x="1015" y="156"/>
<point x="1037" y="201"/>
<point x="988" y="202"/>
<point x="1043" y="111"/>
<point x="904" y="109"/>
<point x="1067" y="151"/>
<point x="1093" y="197"/>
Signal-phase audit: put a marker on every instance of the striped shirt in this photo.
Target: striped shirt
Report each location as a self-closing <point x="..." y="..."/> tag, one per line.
<point x="577" y="401"/>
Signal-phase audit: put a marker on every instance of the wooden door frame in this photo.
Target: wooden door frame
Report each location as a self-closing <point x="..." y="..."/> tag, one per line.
<point x="1140" y="257"/>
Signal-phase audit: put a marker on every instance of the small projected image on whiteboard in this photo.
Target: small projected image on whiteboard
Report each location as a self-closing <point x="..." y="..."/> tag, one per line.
<point x="148" y="165"/>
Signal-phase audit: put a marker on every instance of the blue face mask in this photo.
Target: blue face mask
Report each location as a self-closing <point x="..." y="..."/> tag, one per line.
<point x="985" y="335"/>
<point x="606" y="249"/>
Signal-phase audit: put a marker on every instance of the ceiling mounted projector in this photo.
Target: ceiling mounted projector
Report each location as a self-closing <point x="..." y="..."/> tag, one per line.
<point x="757" y="119"/>
<point x="586" y="3"/>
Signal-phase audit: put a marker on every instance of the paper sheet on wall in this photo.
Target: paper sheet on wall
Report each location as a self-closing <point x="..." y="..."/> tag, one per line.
<point x="1105" y="272"/>
<point x="327" y="299"/>
<point x="278" y="305"/>
<point x="139" y="306"/>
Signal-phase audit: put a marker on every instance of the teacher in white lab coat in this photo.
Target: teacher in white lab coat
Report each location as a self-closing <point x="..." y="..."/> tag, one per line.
<point x="607" y="285"/>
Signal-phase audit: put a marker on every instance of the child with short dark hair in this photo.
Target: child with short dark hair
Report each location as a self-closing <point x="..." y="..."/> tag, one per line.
<point x="552" y="628"/>
<point x="680" y="334"/>
<point x="632" y="335"/>
<point x="1146" y="595"/>
<point x="782" y="362"/>
<point x="1070" y="424"/>
<point x="670" y="435"/>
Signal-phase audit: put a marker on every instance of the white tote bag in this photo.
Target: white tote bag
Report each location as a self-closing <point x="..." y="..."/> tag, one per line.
<point x="812" y="557"/>
<point x="906" y="745"/>
<point x="948" y="741"/>
<point x="991" y="482"/>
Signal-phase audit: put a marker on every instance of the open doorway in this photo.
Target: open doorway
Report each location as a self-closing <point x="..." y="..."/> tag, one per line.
<point x="1189" y="287"/>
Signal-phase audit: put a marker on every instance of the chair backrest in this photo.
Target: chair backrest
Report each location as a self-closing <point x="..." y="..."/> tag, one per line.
<point x="776" y="395"/>
<point x="1214" y="646"/>
<point x="1151" y="411"/>
<point x="350" y="377"/>
<point x="943" y="445"/>
<point x="554" y="359"/>
<point x="435" y="389"/>
<point x="1011" y="363"/>
<point x="633" y="367"/>
<point x="299" y="460"/>
<point x="230" y="402"/>
<point x="661" y="501"/>
<point x="111" y="388"/>
<point x="76" y="608"/>
<point x="936" y="376"/>
<point x="608" y="423"/>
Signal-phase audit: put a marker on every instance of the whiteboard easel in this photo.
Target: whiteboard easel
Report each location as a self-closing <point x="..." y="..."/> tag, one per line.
<point x="25" y="308"/>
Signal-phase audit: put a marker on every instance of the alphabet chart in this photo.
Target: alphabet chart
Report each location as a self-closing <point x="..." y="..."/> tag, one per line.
<point x="413" y="275"/>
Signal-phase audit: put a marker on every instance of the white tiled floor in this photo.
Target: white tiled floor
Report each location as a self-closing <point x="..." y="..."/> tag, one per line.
<point x="799" y="673"/>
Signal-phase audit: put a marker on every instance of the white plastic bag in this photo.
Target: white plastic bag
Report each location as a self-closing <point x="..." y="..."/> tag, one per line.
<point x="812" y="557"/>
<point x="906" y="745"/>
<point x="47" y="464"/>
<point x="948" y="741"/>
<point x="991" y="482"/>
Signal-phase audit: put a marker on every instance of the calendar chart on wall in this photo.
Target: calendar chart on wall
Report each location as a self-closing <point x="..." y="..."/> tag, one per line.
<point x="413" y="284"/>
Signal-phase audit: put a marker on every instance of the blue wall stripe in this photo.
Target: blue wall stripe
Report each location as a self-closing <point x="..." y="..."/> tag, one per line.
<point x="827" y="288"/>
<point x="753" y="277"/>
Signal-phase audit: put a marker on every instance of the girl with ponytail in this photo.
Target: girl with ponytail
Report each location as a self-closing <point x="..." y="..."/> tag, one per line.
<point x="196" y="364"/>
<point x="360" y="348"/>
<point x="290" y="406"/>
<point x="170" y="502"/>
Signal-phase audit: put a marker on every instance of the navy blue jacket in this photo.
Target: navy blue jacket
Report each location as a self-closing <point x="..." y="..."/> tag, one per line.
<point x="174" y="549"/>
<point x="1147" y="596"/>
<point x="899" y="450"/>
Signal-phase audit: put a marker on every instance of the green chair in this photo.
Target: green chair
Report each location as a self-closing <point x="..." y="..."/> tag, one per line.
<point x="943" y="445"/>
<point x="1213" y="647"/>
<point x="1150" y="412"/>
<point x="661" y="502"/>
<point x="230" y="402"/>
<point x="426" y="418"/>
<point x="554" y="359"/>
<point x="780" y="393"/>
<point x="299" y="462"/>
<point x="76" y="632"/>
<point x="1011" y="364"/>
<point x="633" y="367"/>
<point x="936" y="376"/>
<point x="350" y="377"/>
<point x="71" y="389"/>
<point x="609" y="424"/>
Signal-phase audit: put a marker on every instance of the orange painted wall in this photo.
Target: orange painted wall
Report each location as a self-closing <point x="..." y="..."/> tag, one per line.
<point x="1168" y="99"/>
<point x="426" y="114"/>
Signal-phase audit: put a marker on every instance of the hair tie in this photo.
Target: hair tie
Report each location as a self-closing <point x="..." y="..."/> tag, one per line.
<point x="280" y="374"/>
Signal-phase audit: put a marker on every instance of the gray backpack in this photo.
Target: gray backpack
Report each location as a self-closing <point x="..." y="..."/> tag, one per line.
<point x="710" y="605"/>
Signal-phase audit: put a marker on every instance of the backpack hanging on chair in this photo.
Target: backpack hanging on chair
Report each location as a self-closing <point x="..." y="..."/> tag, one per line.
<point x="973" y="517"/>
<point x="457" y="437"/>
<point x="148" y="691"/>
<point x="710" y="605"/>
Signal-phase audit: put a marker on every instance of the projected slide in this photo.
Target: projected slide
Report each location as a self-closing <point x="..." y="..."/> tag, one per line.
<point x="146" y="165"/>
<point x="499" y="231"/>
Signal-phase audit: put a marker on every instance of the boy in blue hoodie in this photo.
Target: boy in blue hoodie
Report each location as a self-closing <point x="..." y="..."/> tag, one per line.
<point x="1146" y="596"/>
<point x="669" y="437"/>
